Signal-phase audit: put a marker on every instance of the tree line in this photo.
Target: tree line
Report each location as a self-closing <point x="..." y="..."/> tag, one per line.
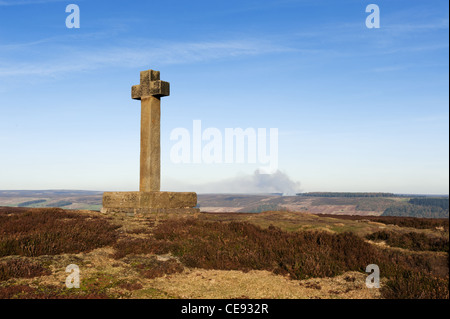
<point x="346" y="194"/>
<point x="430" y="201"/>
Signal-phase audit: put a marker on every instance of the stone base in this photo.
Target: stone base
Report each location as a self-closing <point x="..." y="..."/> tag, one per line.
<point x="149" y="202"/>
<point x="153" y="211"/>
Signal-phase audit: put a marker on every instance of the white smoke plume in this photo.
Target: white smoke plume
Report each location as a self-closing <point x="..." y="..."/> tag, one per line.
<point x="277" y="182"/>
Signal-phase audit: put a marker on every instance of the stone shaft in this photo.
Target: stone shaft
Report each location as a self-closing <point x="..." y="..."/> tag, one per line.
<point x="150" y="162"/>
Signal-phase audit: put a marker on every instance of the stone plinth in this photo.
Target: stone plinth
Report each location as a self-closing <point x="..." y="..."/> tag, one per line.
<point x="149" y="202"/>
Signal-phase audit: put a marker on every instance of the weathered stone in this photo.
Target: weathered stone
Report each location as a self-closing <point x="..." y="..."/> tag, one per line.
<point x="155" y="200"/>
<point x="191" y="212"/>
<point x="149" y="199"/>
<point x="150" y="161"/>
<point x="150" y="85"/>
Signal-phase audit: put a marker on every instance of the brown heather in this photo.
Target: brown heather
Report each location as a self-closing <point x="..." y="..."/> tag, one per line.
<point x="20" y="268"/>
<point x="415" y="285"/>
<point x="35" y="232"/>
<point x="411" y="240"/>
<point x="50" y="292"/>
<point x="243" y="246"/>
<point x="212" y="245"/>
<point x="300" y="255"/>
<point x="151" y="267"/>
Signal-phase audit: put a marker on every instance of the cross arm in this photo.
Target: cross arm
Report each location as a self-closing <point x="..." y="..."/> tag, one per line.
<point x="150" y="85"/>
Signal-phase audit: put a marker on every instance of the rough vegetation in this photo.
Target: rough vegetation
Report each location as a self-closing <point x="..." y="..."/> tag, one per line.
<point x="35" y="232"/>
<point x="421" y="223"/>
<point x="411" y="240"/>
<point x="415" y="285"/>
<point x="153" y="256"/>
<point x="21" y="268"/>
<point x="300" y="255"/>
<point x="243" y="246"/>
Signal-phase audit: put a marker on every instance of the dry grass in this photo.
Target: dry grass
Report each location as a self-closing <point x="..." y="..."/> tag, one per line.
<point x="420" y="223"/>
<point x="228" y="284"/>
<point x="153" y="267"/>
<point x="299" y="221"/>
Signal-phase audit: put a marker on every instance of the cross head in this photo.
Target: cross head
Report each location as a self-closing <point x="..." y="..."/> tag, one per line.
<point x="150" y="85"/>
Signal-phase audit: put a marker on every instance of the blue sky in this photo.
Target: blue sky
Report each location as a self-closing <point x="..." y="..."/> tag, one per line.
<point x="357" y="109"/>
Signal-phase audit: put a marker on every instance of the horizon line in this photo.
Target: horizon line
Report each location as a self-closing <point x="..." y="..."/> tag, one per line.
<point x="226" y="193"/>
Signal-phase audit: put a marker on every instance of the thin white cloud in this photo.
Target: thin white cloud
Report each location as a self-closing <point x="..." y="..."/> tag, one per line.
<point x="169" y="53"/>
<point x="24" y="45"/>
<point x="409" y="27"/>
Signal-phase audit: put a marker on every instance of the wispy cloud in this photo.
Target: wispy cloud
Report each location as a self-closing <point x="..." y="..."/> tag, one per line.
<point x="409" y="27"/>
<point x="24" y="45"/>
<point x="406" y="66"/>
<point x="321" y="44"/>
<point x="139" y="55"/>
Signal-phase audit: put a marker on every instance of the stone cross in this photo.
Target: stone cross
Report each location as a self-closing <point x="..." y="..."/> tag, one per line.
<point x="149" y="199"/>
<point x="150" y="91"/>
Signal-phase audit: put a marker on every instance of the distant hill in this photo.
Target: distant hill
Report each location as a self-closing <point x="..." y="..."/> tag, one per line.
<point x="49" y="193"/>
<point x="69" y="199"/>
<point x="336" y="203"/>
